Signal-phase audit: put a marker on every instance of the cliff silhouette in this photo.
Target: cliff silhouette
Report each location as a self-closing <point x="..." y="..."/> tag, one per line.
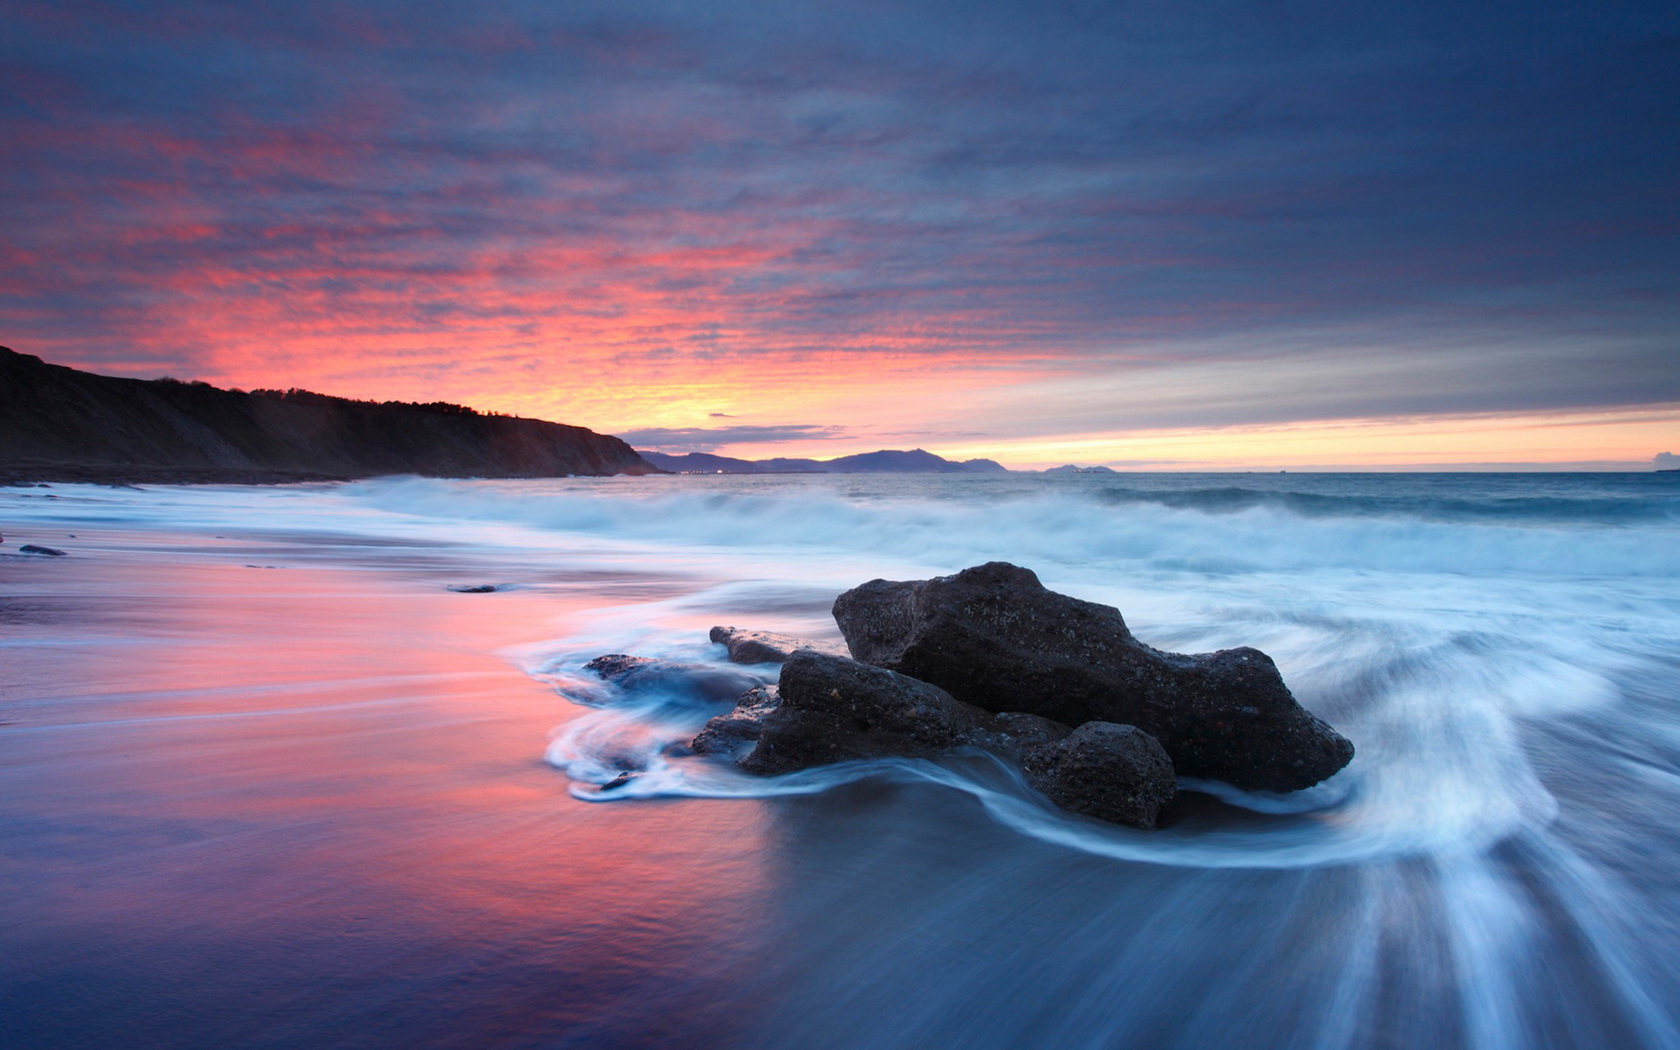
<point x="58" y="423"/>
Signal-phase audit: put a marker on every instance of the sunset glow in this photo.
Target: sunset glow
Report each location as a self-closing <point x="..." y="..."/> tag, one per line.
<point x="1035" y="236"/>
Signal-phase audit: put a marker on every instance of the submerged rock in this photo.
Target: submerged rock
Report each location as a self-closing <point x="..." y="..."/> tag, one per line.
<point x="480" y="588"/>
<point x="614" y="666"/>
<point x="649" y="677"/>
<point x="994" y="637"/>
<point x="829" y="709"/>
<point x="765" y="647"/>
<point x="30" y="548"/>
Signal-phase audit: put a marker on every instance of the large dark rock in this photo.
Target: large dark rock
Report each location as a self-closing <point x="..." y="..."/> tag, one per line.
<point x="765" y="647"/>
<point x="1112" y="772"/>
<point x="831" y="709"/>
<point x="993" y="636"/>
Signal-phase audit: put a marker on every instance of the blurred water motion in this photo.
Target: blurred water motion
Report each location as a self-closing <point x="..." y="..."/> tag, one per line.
<point x="252" y="806"/>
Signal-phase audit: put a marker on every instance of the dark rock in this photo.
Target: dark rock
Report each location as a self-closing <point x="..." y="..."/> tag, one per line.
<point x="1112" y="772"/>
<point x="623" y="778"/>
<point x="670" y="678"/>
<point x="615" y="666"/>
<point x="765" y="647"/>
<point x="728" y="734"/>
<point x="482" y="588"/>
<point x="30" y="548"/>
<point x="996" y="638"/>
<point x="1016" y="733"/>
<point x="831" y="709"/>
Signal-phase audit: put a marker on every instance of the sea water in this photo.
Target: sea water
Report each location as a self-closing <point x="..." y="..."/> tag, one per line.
<point x="1496" y="868"/>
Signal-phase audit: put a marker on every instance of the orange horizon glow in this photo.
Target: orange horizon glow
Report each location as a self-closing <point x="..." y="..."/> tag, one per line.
<point x="1610" y="440"/>
<point x="876" y="390"/>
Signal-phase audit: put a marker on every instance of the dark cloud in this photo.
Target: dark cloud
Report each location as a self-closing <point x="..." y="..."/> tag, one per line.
<point x="1080" y="184"/>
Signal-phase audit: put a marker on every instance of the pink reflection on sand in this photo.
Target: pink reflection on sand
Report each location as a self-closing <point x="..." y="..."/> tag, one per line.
<point x="335" y="756"/>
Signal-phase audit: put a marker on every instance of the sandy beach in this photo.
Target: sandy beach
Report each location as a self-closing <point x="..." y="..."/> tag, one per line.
<point x="258" y="797"/>
<point x="267" y="780"/>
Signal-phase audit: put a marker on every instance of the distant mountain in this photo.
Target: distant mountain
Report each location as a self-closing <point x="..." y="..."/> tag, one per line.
<point x="706" y="463"/>
<point x="60" y="423"/>
<point x="915" y="461"/>
<point x="1071" y="469"/>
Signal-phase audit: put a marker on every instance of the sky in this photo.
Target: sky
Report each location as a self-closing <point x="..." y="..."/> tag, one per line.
<point x="1165" y="235"/>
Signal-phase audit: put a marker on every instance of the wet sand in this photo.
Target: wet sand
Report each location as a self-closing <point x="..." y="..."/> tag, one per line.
<point x="306" y="804"/>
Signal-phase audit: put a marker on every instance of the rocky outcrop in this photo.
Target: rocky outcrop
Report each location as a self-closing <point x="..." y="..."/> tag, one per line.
<point x="994" y="637"/>
<point x="765" y="647"/>
<point x="828" y="709"/>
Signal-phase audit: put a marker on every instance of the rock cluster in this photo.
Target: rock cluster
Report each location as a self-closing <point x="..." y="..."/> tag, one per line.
<point x="1099" y="722"/>
<point x="996" y="638"/>
<point x="830" y="708"/>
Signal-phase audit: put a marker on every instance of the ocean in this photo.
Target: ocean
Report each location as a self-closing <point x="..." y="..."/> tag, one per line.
<point x="270" y="776"/>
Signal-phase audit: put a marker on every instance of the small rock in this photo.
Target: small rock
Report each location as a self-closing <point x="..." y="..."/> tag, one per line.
<point x="832" y="709"/>
<point x="765" y="647"/>
<point x="482" y="588"/>
<point x="728" y="734"/>
<point x="623" y="778"/>
<point x="615" y="666"/>
<point x="1116" y="773"/>
<point x="671" y="679"/>
<point x="30" y="548"/>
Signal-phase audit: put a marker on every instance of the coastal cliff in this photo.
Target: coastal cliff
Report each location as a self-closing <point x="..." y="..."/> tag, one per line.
<point x="58" y="423"/>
